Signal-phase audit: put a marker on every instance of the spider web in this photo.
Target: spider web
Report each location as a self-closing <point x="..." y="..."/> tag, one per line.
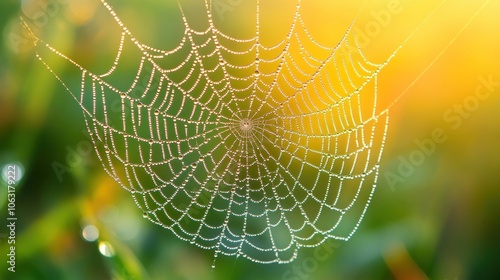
<point x="236" y="146"/>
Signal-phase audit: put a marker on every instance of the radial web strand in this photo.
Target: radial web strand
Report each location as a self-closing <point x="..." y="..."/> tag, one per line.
<point x="239" y="147"/>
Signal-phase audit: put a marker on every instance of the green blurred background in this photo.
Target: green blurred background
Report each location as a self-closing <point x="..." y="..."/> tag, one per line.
<point x="436" y="219"/>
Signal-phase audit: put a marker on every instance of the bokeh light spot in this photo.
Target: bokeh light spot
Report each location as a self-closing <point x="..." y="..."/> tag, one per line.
<point x="90" y="233"/>
<point x="106" y="249"/>
<point x="14" y="169"/>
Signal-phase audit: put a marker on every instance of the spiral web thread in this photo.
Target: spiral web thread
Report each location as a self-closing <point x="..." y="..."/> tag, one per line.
<point x="256" y="156"/>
